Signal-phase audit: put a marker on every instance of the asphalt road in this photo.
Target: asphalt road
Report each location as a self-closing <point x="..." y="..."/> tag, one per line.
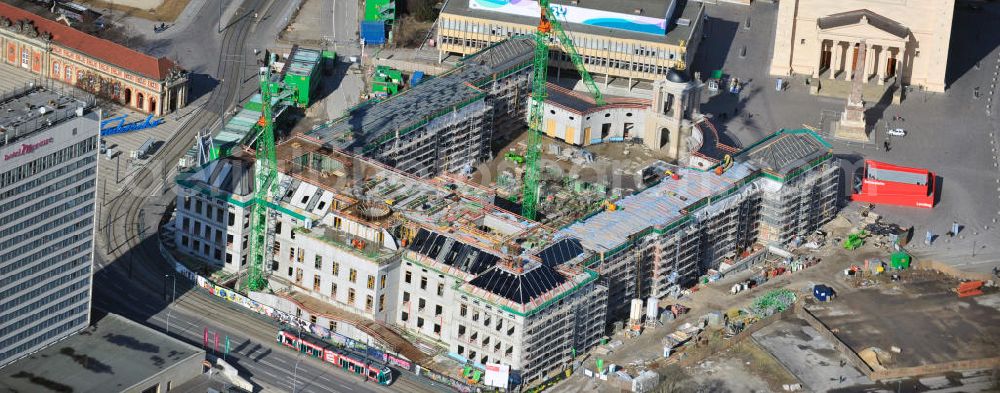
<point x="132" y="277"/>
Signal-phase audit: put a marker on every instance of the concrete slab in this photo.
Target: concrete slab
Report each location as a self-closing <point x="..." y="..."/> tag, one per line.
<point x="923" y="317"/>
<point x="808" y="355"/>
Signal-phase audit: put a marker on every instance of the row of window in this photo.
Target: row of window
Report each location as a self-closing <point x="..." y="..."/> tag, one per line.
<point x="39" y="266"/>
<point x="21" y="200"/>
<point x="219" y="215"/>
<point x="351" y="294"/>
<point x="42" y="279"/>
<point x="62" y="329"/>
<point x="36" y="208"/>
<point x="51" y="237"/>
<point x="422" y="303"/>
<point x="420" y="322"/>
<point x="48" y="286"/>
<point x="38" y="165"/>
<point x="25" y="236"/>
<point x="10" y="267"/>
<point x="25" y="319"/>
<point x="580" y="41"/>
<point x="408" y="278"/>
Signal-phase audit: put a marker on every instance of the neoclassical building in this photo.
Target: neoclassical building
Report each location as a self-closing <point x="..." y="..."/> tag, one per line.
<point x="907" y="39"/>
<point x="56" y="51"/>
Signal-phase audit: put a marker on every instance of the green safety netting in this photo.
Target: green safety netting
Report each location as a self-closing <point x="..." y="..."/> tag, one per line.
<point x="775" y="301"/>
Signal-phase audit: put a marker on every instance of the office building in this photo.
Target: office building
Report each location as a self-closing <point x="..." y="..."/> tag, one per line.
<point x="48" y="148"/>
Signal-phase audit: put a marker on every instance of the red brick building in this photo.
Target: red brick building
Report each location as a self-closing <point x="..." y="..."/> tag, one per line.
<point x="109" y="70"/>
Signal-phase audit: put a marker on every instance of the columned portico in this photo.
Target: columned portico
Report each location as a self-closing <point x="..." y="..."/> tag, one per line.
<point x="880" y="61"/>
<point x="907" y="40"/>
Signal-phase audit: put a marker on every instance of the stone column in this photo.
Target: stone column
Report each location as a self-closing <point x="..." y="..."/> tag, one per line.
<point x="883" y="55"/>
<point x="870" y="61"/>
<point x="849" y="57"/>
<point x="835" y="58"/>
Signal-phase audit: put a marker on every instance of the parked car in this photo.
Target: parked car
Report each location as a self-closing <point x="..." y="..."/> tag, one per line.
<point x="896" y="132"/>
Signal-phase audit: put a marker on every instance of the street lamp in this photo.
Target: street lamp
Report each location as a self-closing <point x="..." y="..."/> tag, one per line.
<point x="298" y="357"/>
<point x="172" y="298"/>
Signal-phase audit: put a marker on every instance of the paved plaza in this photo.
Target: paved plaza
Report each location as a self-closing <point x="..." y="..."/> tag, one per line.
<point x="952" y="134"/>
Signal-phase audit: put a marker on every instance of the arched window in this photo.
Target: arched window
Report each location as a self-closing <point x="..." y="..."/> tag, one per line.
<point x="140" y="101"/>
<point x="127" y="99"/>
<point x="664" y="137"/>
<point x="152" y="104"/>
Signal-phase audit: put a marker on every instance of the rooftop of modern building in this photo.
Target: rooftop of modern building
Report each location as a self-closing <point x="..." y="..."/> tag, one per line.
<point x="113" y="355"/>
<point x="668" y="202"/>
<point x="227" y="177"/>
<point x="684" y="9"/>
<point x="302" y="61"/>
<point x="371" y="123"/>
<point x="30" y="109"/>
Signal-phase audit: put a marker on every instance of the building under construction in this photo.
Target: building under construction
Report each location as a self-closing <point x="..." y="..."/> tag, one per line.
<point x="446" y="123"/>
<point x="370" y="230"/>
<point x="660" y="240"/>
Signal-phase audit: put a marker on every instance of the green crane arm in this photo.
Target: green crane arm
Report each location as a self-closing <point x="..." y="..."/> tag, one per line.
<point x="567" y="45"/>
<point x="532" y="173"/>
<point x="265" y="172"/>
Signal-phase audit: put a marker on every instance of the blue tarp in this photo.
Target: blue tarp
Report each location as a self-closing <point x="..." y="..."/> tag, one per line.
<point x="373" y="32"/>
<point x="416" y="78"/>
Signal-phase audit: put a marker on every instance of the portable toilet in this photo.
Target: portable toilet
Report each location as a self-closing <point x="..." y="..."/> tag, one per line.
<point x="822" y="292"/>
<point x="900" y="260"/>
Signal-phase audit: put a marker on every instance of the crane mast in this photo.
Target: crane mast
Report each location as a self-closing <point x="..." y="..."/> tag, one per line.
<point x="265" y="173"/>
<point x="547" y="25"/>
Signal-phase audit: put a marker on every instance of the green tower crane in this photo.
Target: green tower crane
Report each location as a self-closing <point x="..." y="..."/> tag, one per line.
<point x="547" y="25"/>
<point x="265" y="173"/>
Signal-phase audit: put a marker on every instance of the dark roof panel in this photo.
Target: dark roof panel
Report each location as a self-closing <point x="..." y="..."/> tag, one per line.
<point x="451" y="252"/>
<point x="520" y="288"/>
<point x="561" y="252"/>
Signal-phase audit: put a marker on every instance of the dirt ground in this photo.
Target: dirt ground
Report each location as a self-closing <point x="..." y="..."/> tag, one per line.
<point x="155" y="10"/>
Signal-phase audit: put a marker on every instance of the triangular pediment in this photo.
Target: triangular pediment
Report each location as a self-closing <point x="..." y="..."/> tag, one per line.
<point x="863" y="24"/>
<point x="862" y="31"/>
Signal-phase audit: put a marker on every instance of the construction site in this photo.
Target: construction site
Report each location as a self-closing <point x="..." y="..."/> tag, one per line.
<point x="483" y="217"/>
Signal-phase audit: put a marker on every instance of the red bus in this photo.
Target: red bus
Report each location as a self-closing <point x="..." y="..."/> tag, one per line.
<point x="895" y="185"/>
<point x="327" y="352"/>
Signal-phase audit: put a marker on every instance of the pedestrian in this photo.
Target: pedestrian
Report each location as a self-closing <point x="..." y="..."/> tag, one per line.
<point x="886" y="145"/>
